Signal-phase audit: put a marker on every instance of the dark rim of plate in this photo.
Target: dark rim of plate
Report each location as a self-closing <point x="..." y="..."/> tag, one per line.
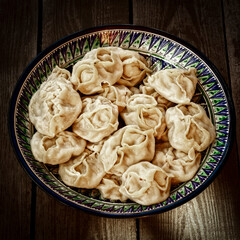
<point x="120" y="27"/>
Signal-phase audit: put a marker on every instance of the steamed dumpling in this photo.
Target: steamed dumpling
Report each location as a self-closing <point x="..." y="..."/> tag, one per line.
<point x="189" y="127"/>
<point x="98" y="67"/>
<point x="109" y="188"/>
<point x="134" y="67"/>
<point x="125" y="147"/>
<point x="58" y="149"/>
<point x="142" y="110"/>
<point x="182" y="166"/>
<point x="84" y="171"/>
<point x="146" y="183"/>
<point x="99" y="118"/>
<point x="176" y="85"/>
<point x="56" y="105"/>
<point x="85" y="77"/>
<point x="145" y="88"/>
<point x="117" y="94"/>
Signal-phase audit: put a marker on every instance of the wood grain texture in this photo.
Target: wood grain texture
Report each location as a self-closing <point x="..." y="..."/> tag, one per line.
<point x="72" y="16"/>
<point x="213" y="214"/>
<point x="15" y="185"/>
<point x="53" y="219"/>
<point x="232" y="23"/>
<point x="57" y="221"/>
<point x="27" y="28"/>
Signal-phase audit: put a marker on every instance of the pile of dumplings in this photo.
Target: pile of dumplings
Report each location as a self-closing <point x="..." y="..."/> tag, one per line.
<point x="113" y="125"/>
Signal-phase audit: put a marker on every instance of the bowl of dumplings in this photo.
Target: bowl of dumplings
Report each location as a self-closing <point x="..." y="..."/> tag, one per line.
<point x="121" y="121"/>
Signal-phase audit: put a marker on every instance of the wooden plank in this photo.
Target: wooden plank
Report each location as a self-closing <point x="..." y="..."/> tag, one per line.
<point x="232" y="22"/>
<point x="53" y="219"/>
<point x="75" y="15"/>
<point x="57" y="221"/>
<point x="18" y="46"/>
<point x="213" y="214"/>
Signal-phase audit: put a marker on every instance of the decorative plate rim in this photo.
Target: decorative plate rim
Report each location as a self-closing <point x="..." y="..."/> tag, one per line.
<point x="21" y="80"/>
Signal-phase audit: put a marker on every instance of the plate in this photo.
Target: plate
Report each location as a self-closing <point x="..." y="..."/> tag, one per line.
<point x="161" y="50"/>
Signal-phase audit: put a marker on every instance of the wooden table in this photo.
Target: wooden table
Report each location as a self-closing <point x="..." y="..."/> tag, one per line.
<point x="27" y="27"/>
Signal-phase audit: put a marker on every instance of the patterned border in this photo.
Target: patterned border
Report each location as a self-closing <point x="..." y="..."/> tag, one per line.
<point x="161" y="51"/>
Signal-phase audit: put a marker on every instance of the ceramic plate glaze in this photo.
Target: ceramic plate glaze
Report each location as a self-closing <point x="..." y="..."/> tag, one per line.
<point x="161" y="51"/>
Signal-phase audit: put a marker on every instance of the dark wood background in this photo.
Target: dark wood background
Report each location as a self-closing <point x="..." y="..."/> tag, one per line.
<point x="27" y="27"/>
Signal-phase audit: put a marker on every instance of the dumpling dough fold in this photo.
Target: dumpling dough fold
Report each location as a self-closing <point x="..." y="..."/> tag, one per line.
<point x="134" y="67"/>
<point x="145" y="88"/>
<point x="85" y="77"/>
<point x="59" y="73"/>
<point x="117" y="94"/>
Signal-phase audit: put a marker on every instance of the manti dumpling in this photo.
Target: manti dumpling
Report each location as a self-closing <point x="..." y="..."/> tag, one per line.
<point x="189" y="127"/>
<point x="146" y="183"/>
<point x="182" y="166"/>
<point x="125" y="147"/>
<point x="134" y="67"/>
<point x="109" y="188"/>
<point x="58" y="149"/>
<point x="117" y="94"/>
<point x="176" y="85"/>
<point x="98" y="67"/>
<point x="85" y="77"/>
<point x="145" y="88"/>
<point x="142" y="110"/>
<point x="99" y="118"/>
<point x="55" y="105"/>
<point x="84" y="171"/>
